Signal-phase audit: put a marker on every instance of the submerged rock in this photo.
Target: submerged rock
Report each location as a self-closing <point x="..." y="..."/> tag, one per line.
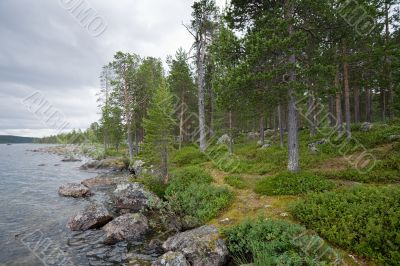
<point x="171" y="259"/>
<point x="91" y="217"/>
<point x="133" y="197"/>
<point x="74" y="190"/>
<point x="201" y="246"/>
<point x="131" y="227"/>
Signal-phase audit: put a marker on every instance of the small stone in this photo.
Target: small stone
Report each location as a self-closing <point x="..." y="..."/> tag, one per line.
<point x="284" y="214"/>
<point x="171" y="259"/>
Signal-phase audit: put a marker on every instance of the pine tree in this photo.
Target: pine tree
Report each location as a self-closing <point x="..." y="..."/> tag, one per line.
<point x="158" y="128"/>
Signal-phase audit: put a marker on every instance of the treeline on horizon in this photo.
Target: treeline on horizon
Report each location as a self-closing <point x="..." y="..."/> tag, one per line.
<point x="257" y="65"/>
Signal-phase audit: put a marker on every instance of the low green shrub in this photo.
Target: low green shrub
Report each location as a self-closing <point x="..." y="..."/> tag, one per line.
<point x="153" y="183"/>
<point x="188" y="156"/>
<point x="202" y="201"/>
<point x="183" y="177"/>
<point x="363" y="220"/>
<point x="190" y="192"/>
<point x="266" y="242"/>
<point x="293" y="184"/>
<point x="379" y="175"/>
<point x="235" y="181"/>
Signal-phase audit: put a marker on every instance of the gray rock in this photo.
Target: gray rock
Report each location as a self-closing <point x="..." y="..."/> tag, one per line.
<point x="366" y="126"/>
<point x="224" y="139"/>
<point x="91" y="217"/>
<point x="105" y="180"/>
<point x="266" y="146"/>
<point x="73" y="190"/>
<point x="394" y="137"/>
<point x="201" y="246"/>
<point x="171" y="259"/>
<point x="131" y="227"/>
<point x="133" y="197"/>
<point x="137" y="167"/>
<point x="108" y="163"/>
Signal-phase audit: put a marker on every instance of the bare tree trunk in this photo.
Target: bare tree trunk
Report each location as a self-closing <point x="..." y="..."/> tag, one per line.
<point x="230" y="133"/>
<point x="388" y="67"/>
<point x="311" y="115"/>
<point x="356" y="104"/>
<point x="281" y="129"/>
<point x="262" y="129"/>
<point x="332" y="120"/>
<point x="181" y="122"/>
<point x="293" y="138"/>
<point x="164" y="162"/>
<point x="346" y="91"/>
<point x="212" y="111"/>
<point x="130" y="142"/>
<point x="368" y="105"/>
<point x="339" y="118"/>
<point x="201" y="103"/>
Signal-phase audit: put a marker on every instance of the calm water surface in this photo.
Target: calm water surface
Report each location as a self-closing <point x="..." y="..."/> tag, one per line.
<point x="32" y="214"/>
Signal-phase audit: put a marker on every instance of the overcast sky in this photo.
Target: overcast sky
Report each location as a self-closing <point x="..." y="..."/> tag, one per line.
<point x="45" y="49"/>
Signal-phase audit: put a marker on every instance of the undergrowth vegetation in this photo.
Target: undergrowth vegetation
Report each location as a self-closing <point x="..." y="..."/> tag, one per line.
<point x="364" y="220"/>
<point x="190" y="192"/>
<point x="266" y="242"/>
<point x="293" y="184"/>
<point x="235" y="181"/>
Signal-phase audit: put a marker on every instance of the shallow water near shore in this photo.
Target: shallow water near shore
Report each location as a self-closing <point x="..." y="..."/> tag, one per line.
<point x="33" y="217"/>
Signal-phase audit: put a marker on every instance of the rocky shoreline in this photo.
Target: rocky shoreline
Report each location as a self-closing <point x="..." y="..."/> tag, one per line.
<point x="130" y="227"/>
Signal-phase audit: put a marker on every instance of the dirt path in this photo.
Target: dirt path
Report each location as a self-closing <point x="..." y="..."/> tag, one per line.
<point x="248" y="204"/>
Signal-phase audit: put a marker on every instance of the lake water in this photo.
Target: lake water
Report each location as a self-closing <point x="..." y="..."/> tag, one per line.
<point x="33" y="216"/>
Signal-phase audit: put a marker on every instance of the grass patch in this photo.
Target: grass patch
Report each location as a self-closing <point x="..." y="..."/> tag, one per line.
<point x="235" y="181"/>
<point x="363" y="220"/>
<point x="267" y="242"/>
<point x="293" y="184"/>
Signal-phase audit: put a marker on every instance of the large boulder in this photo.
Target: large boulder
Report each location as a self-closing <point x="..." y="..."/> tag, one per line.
<point x="137" y="167"/>
<point x="117" y="164"/>
<point x="201" y="246"/>
<point x="105" y="180"/>
<point x="91" y="217"/>
<point x="366" y="126"/>
<point x="131" y="227"/>
<point x="133" y="197"/>
<point x="171" y="259"/>
<point x="74" y="190"/>
<point x="224" y="139"/>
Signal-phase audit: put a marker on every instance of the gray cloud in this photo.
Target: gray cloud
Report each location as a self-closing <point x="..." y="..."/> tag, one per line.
<point x="43" y="48"/>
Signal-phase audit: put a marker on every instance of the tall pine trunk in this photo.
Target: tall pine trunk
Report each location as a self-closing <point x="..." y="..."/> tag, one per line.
<point x="311" y="115"/>
<point x="338" y="101"/>
<point x="200" y="84"/>
<point x="356" y="104"/>
<point x="181" y="118"/>
<point x="230" y="133"/>
<point x="280" y="124"/>
<point x="332" y="111"/>
<point x="368" y="105"/>
<point x="262" y="129"/>
<point x="346" y="91"/>
<point x="293" y="138"/>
